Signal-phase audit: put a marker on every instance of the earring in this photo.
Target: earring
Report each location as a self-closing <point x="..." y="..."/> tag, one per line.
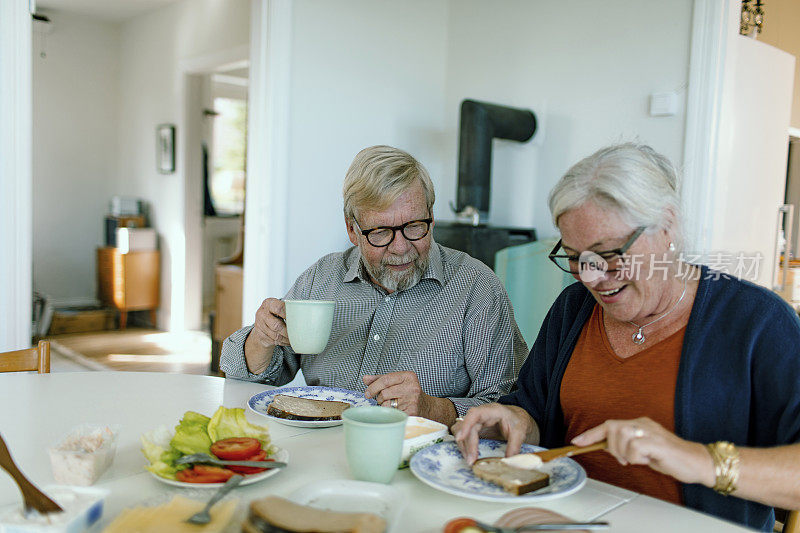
<point x="671" y="247"/>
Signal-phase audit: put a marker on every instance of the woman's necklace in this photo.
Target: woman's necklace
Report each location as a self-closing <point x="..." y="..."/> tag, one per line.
<point x="638" y="337"/>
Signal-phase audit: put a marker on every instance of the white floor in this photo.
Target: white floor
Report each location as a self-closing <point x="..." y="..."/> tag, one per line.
<point x="60" y="362"/>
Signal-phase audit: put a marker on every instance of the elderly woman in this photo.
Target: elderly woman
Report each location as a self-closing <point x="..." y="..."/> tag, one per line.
<point x="693" y="378"/>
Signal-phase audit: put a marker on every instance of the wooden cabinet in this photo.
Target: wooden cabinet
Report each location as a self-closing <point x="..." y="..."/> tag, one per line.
<point x="227" y="307"/>
<point x="128" y="282"/>
<point x="227" y="300"/>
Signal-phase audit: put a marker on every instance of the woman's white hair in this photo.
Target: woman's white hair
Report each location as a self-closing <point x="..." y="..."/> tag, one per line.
<point x="378" y="176"/>
<point x="634" y="180"/>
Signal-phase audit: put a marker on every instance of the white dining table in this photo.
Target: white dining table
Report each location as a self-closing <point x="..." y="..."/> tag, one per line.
<point x="37" y="409"/>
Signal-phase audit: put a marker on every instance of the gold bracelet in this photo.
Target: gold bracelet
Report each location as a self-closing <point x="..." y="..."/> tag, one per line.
<point x="726" y="466"/>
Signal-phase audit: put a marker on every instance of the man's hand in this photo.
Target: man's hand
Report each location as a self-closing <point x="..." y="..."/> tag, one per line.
<point x="269" y="330"/>
<point x="270" y="326"/>
<point x="402" y="390"/>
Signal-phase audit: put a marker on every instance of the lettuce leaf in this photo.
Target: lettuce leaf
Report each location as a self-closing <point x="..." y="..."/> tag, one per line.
<point x="194" y="434"/>
<point x="158" y="452"/>
<point x="191" y="435"/>
<point x="231" y="422"/>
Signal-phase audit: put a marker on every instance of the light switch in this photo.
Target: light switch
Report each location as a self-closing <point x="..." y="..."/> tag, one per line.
<point x="663" y="104"/>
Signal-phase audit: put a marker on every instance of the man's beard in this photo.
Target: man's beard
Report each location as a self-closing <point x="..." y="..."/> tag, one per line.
<point x="392" y="280"/>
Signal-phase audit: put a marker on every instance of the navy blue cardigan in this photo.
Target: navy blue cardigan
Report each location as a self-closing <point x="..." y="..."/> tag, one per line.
<point x="738" y="379"/>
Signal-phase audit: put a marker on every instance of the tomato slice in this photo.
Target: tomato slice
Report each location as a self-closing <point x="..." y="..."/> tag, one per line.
<point x="236" y="448"/>
<point x="204" y="474"/>
<point x="457" y="525"/>
<point x="260" y="456"/>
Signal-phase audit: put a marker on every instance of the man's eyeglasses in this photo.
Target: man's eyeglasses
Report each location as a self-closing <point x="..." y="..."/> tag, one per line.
<point x="384" y="235"/>
<point x="569" y="263"/>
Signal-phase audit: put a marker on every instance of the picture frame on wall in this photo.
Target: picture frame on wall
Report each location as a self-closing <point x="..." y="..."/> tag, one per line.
<point x="165" y="148"/>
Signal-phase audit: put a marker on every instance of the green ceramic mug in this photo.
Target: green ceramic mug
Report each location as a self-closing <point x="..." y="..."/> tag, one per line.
<point x="373" y="439"/>
<point x="308" y="323"/>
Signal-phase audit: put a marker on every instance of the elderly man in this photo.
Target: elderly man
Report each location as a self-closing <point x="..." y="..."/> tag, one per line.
<point x="417" y="326"/>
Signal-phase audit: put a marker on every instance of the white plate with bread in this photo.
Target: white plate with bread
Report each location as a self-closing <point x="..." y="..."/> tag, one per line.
<point x="332" y="505"/>
<point x="443" y="467"/>
<point x="318" y="407"/>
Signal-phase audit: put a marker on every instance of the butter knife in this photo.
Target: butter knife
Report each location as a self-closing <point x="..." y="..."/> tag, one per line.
<point x="205" y="458"/>
<point x="543" y="527"/>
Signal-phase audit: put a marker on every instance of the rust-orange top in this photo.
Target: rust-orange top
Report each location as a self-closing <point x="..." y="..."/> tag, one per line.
<point x="598" y="385"/>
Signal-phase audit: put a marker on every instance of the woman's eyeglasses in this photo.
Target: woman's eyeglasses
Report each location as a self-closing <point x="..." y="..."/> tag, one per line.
<point x="569" y="263"/>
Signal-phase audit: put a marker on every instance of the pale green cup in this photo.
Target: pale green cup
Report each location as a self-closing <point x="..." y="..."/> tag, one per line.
<point x="373" y="440"/>
<point x="308" y="323"/>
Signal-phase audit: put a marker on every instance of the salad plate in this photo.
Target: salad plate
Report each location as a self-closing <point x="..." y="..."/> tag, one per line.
<point x="259" y="403"/>
<point x="348" y="496"/>
<point x="279" y="455"/>
<point x="443" y="467"/>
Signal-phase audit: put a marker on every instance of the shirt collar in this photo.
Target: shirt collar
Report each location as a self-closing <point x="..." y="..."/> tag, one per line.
<point x="356" y="270"/>
<point x="354" y="267"/>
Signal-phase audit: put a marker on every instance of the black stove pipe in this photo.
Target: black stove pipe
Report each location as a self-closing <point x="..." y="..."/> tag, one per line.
<point x="480" y="123"/>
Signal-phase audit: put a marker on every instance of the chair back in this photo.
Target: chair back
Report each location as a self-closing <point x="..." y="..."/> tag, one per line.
<point x="532" y="281"/>
<point x="37" y="358"/>
<point x="792" y="524"/>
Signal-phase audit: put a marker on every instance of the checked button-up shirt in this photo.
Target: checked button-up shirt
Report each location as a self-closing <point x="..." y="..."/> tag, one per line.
<point x="455" y="329"/>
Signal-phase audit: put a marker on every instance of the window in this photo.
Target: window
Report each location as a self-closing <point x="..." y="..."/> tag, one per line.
<point x="229" y="156"/>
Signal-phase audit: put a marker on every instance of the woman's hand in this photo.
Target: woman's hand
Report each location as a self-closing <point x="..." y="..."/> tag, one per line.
<point x="511" y="423"/>
<point x="645" y="442"/>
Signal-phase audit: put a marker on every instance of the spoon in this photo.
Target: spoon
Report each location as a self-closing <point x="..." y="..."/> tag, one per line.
<point x="208" y="459"/>
<point x="204" y="517"/>
<point x="33" y="497"/>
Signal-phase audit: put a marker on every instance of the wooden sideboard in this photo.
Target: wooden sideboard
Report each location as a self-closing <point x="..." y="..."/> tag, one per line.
<point x="227" y="307"/>
<point x="129" y="282"/>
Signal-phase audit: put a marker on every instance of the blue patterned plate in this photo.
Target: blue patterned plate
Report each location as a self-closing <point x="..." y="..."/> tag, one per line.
<point x="259" y="403"/>
<point x="442" y="467"/>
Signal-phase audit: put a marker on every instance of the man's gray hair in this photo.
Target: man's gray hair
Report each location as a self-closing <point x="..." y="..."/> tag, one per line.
<point x="378" y="176"/>
<point x="637" y="182"/>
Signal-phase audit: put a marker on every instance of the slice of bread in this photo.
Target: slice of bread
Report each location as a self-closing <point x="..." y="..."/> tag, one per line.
<point x="294" y="408"/>
<point x="275" y="514"/>
<point x="517" y="481"/>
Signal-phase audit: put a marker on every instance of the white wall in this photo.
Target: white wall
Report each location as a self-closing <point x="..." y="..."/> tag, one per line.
<point x="16" y="229"/>
<point x="75" y="102"/>
<point x="363" y="72"/>
<point x="153" y="48"/>
<point x="372" y="72"/>
<point x="586" y="68"/>
<point x="752" y="159"/>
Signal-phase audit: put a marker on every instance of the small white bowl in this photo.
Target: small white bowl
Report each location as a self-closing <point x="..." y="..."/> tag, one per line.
<point x="81" y="462"/>
<point x="434" y="432"/>
<point x="83" y="506"/>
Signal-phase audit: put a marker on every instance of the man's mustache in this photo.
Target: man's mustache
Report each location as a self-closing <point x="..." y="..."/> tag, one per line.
<point x="400" y="260"/>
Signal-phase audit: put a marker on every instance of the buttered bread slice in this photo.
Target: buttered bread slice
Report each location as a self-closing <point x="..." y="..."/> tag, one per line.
<point x="294" y="408"/>
<point x="517" y="481"/>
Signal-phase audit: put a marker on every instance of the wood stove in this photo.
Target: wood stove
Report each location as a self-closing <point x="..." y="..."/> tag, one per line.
<point x="480" y="122"/>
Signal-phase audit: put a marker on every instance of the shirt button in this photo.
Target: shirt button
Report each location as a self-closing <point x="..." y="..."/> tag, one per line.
<point x="386" y="299"/>
<point x="377" y="337"/>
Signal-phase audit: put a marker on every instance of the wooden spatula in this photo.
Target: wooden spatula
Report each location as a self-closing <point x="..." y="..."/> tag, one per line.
<point x="569" y="451"/>
<point x="33" y="497"/>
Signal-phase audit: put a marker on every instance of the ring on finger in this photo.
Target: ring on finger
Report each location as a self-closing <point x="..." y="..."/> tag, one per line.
<point x="393" y="403"/>
<point x="637" y="432"/>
